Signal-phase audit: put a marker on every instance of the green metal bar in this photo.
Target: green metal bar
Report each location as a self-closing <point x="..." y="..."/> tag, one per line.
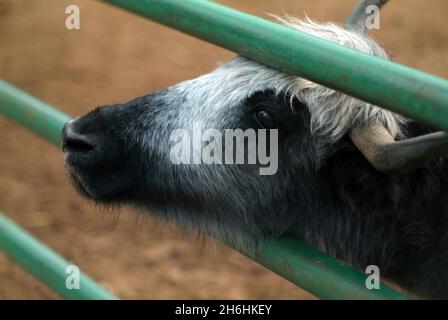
<point x="44" y="263"/>
<point x="31" y="112"/>
<point x="318" y="273"/>
<point x="301" y="264"/>
<point x="412" y="93"/>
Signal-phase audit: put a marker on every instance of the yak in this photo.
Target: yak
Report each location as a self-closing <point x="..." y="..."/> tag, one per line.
<point x="353" y="180"/>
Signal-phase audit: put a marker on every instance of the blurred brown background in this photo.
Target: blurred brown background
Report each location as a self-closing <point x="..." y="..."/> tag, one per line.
<point x="117" y="56"/>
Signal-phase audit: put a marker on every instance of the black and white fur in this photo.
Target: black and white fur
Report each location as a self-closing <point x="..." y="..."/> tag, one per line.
<point x="325" y="192"/>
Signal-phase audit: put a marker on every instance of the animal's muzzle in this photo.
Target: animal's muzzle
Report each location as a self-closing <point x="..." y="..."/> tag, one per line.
<point x="96" y="154"/>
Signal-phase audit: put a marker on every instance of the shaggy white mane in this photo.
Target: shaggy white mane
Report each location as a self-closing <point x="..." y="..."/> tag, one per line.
<point x="333" y="112"/>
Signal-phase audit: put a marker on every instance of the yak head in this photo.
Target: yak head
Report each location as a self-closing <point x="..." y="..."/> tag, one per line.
<point x="236" y="153"/>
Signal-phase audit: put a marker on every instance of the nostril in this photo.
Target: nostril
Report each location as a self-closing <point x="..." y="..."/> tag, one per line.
<point x="75" y="142"/>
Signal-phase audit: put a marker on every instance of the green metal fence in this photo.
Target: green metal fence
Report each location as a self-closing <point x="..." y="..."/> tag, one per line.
<point x="45" y="264"/>
<point x="410" y="92"/>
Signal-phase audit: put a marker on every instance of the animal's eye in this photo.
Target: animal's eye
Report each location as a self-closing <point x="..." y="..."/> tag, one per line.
<point x="265" y="119"/>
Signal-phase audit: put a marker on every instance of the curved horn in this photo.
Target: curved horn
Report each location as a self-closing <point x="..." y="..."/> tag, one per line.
<point x="376" y="143"/>
<point x="393" y="157"/>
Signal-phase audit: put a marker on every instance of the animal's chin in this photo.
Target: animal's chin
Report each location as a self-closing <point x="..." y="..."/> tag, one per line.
<point x="82" y="190"/>
<point x="86" y="184"/>
<point x="92" y="188"/>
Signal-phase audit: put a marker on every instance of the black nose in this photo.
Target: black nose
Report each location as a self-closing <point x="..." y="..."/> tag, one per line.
<point x="73" y="141"/>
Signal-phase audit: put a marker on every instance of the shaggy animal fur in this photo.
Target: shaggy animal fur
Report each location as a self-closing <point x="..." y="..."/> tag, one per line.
<point x="325" y="192"/>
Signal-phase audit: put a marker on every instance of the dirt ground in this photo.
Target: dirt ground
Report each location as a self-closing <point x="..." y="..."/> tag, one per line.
<point x="116" y="56"/>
